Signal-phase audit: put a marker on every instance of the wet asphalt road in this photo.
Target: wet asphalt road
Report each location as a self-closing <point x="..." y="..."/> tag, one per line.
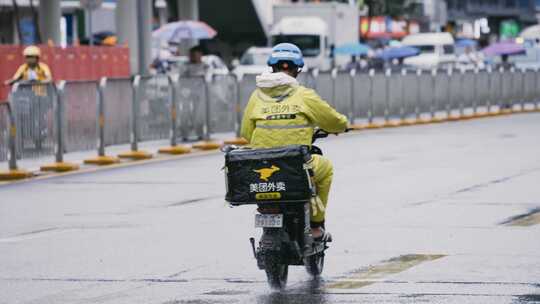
<point x="444" y="213"/>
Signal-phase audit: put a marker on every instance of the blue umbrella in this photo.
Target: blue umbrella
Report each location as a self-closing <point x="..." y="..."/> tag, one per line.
<point x="466" y="43"/>
<point x="354" y="48"/>
<point x="398" y="52"/>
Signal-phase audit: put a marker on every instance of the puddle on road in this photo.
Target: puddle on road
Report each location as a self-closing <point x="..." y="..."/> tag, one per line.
<point x="524" y="220"/>
<point x="367" y="276"/>
<point x="527" y="299"/>
<point x="200" y="301"/>
<point x="193" y="200"/>
<point x="112" y="182"/>
<point x="227" y="292"/>
<point x="53" y="230"/>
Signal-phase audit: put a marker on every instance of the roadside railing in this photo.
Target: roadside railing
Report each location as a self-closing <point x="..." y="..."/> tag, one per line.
<point x="4" y="132"/>
<point x="52" y="120"/>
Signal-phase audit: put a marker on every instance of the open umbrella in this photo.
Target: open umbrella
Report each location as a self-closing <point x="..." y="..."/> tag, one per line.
<point x="354" y="48"/>
<point x="398" y="52"/>
<point x="175" y="32"/>
<point x="504" y="48"/>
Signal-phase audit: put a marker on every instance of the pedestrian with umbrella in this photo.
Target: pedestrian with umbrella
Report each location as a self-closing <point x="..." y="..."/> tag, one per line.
<point x="354" y="49"/>
<point x="188" y="33"/>
<point x="181" y="31"/>
<point x="505" y="50"/>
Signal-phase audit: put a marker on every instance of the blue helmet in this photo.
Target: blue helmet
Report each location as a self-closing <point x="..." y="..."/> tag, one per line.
<point x="286" y="52"/>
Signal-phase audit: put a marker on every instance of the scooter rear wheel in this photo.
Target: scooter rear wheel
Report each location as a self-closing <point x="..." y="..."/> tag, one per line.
<point x="315" y="264"/>
<point x="276" y="272"/>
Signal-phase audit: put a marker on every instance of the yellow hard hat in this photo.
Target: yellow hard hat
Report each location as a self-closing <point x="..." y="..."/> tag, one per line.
<point x="31" y="51"/>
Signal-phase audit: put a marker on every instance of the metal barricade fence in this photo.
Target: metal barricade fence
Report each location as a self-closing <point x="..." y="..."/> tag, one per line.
<point x="307" y="79"/>
<point x="192" y="95"/>
<point x="393" y="87"/>
<point x="33" y="108"/>
<point x="246" y="86"/>
<point x="494" y="89"/>
<point x="425" y="96"/>
<point x="468" y="82"/>
<point x="341" y="97"/>
<point x="378" y="96"/>
<point x="117" y="100"/>
<point x="506" y="89"/>
<point x="362" y="88"/>
<point x="482" y="93"/>
<point x="517" y="88"/>
<point x="8" y="141"/>
<point x="409" y="93"/>
<point x="441" y="86"/>
<point x="4" y="131"/>
<point x="325" y="84"/>
<point x="528" y="86"/>
<point x="153" y="95"/>
<point x="537" y="89"/>
<point x="455" y="100"/>
<point x="223" y="93"/>
<point x="80" y="100"/>
<point x="199" y="106"/>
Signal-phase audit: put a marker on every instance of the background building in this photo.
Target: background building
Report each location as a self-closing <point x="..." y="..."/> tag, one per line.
<point x="491" y="19"/>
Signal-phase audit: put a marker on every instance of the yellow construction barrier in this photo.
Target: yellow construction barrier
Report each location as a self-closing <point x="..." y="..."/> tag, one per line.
<point x="175" y="150"/>
<point x="102" y="161"/>
<point x="59" y="167"/>
<point x="12" y="175"/>
<point x="207" y="145"/>
<point x="135" y="155"/>
<point x="240" y="141"/>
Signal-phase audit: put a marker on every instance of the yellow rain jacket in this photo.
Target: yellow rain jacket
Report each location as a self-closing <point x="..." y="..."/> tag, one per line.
<point x="281" y="112"/>
<point x="40" y="73"/>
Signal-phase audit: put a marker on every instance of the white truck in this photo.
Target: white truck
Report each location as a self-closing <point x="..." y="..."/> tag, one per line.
<point x="315" y="27"/>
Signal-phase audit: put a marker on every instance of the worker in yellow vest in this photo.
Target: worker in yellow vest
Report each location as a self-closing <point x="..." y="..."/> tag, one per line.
<point x="32" y="69"/>
<point x="281" y="112"/>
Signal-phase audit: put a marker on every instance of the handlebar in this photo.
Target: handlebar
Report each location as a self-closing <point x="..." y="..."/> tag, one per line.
<point x="320" y="133"/>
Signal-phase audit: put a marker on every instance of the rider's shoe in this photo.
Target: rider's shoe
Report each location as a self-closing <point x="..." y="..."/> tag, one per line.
<point x="321" y="235"/>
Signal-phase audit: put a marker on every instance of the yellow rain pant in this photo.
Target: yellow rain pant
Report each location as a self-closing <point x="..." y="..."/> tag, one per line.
<point x="323" y="171"/>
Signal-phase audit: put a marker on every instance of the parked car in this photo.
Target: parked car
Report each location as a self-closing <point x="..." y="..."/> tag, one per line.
<point x="253" y="61"/>
<point x="529" y="60"/>
<point x="436" y="50"/>
<point x="217" y="66"/>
